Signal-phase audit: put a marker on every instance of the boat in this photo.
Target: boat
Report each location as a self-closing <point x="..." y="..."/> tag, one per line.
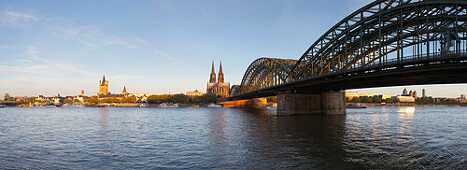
<point x="78" y="105"/>
<point x="214" y="105"/>
<point x="143" y="105"/>
<point x="103" y="105"/>
<point x="73" y="105"/>
<point x="356" y="105"/>
<point x="168" y="105"/>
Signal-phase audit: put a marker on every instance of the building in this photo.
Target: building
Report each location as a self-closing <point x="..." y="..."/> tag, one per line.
<point x="351" y="95"/>
<point x="103" y="87"/>
<point x="57" y="99"/>
<point x="194" y="93"/>
<point x="383" y="96"/>
<point x="405" y="99"/>
<point x="411" y="93"/>
<point x="104" y="90"/>
<point x="6" y="96"/>
<point x="217" y="87"/>
<point x="423" y="93"/>
<point x="124" y="91"/>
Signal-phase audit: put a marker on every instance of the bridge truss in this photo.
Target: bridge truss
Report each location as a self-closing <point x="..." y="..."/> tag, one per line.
<point x="383" y="33"/>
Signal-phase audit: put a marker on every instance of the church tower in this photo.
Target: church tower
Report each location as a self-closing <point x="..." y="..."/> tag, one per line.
<point x="103" y="86"/>
<point x="221" y="74"/>
<point x="124" y="91"/>
<point x="213" y="74"/>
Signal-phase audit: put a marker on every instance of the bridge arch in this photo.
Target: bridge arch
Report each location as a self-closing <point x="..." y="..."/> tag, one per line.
<point x="377" y="35"/>
<point x="386" y="30"/>
<point x="266" y="72"/>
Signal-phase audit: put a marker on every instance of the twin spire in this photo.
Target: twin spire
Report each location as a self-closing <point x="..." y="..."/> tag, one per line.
<point x="213" y="74"/>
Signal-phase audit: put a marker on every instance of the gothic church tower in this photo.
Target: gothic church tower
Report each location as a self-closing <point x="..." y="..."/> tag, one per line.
<point x="221" y="74"/>
<point x="103" y="86"/>
<point x="213" y="74"/>
<point x="124" y="91"/>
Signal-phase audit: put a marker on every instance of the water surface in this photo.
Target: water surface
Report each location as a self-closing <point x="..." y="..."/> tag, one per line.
<point x="148" y="138"/>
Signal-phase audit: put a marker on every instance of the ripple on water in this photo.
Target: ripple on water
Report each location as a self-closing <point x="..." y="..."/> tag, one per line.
<point x="202" y="138"/>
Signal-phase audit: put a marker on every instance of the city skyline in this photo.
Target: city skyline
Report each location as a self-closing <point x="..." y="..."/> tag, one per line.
<point x="64" y="47"/>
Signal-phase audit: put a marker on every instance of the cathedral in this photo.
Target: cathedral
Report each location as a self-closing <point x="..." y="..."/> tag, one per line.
<point x="217" y="86"/>
<point x="104" y="90"/>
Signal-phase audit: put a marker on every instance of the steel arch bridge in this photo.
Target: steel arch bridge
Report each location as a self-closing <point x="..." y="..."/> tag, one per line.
<point x="386" y="36"/>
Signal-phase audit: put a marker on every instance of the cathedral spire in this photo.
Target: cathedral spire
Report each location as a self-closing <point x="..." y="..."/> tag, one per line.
<point x="221" y="74"/>
<point x="212" y="68"/>
<point x="124" y="91"/>
<point x="213" y="74"/>
<point x="220" y="68"/>
<point x="103" y="78"/>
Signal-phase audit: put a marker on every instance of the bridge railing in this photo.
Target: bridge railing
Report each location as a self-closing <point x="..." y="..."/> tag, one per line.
<point x="400" y="61"/>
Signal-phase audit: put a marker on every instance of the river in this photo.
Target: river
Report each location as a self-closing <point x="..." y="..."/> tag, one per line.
<point x="200" y="138"/>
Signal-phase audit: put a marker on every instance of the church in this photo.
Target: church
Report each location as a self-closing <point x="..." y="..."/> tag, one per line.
<point x="217" y="86"/>
<point x="104" y="90"/>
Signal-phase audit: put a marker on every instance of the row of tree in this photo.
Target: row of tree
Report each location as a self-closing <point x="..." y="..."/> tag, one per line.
<point x="128" y="99"/>
<point x="421" y="100"/>
<point x="182" y="98"/>
<point x="371" y="99"/>
<point x="431" y="100"/>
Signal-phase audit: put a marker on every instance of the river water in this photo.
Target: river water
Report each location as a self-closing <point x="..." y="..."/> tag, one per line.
<point x="200" y="138"/>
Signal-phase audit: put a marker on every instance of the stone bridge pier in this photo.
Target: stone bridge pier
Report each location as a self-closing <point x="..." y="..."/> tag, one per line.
<point x="330" y="103"/>
<point x="258" y="103"/>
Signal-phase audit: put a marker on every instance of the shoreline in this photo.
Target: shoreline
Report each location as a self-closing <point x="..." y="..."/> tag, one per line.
<point x="181" y="105"/>
<point x="410" y="104"/>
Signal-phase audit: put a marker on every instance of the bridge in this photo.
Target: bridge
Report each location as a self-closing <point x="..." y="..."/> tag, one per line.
<point x="385" y="43"/>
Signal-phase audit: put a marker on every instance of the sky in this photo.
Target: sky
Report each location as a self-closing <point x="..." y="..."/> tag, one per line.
<point x="158" y="46"/>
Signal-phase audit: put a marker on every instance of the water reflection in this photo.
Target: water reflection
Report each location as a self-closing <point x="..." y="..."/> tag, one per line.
<point x="217" y="134"/>
<point x="103" y="122"/>
<point x="408" y="110"/>
<point x="103" y="144"/>
<point x="296" y="140"/>
<point x="405" y="133"/>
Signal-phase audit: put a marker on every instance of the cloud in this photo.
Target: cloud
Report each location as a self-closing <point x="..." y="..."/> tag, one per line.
<point x="20" y="16"/>
<point x="16" y="19"/>
<point x="40" y="66"/>
<point x="32" y="52"/>
<point x="94" y="37"/>
<point x="88" y="35"/>
<point x="167" y="56"/>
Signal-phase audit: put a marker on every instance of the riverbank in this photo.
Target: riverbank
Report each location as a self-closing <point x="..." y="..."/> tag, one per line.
<point x="410" y="104"/>
<point x="119" y="105"/>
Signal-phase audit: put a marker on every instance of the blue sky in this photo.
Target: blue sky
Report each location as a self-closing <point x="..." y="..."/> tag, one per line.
<point x="49" y="47"/>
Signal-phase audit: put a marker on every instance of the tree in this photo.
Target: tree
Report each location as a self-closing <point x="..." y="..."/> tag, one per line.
<point x="92" y="99"/>
<point x="391" y="100"/>
<point x="425" y="100"/>
<point x="356" y="100"/>
<point x="129" y="99"/>
<point x="158" y="98"/>
<point x="209" y="98"/>
<point x="179" y="98"/>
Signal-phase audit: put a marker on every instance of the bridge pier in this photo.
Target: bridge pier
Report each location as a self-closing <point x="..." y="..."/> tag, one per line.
<point x="258" y="103"/>
<point x="323" y="103"/>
